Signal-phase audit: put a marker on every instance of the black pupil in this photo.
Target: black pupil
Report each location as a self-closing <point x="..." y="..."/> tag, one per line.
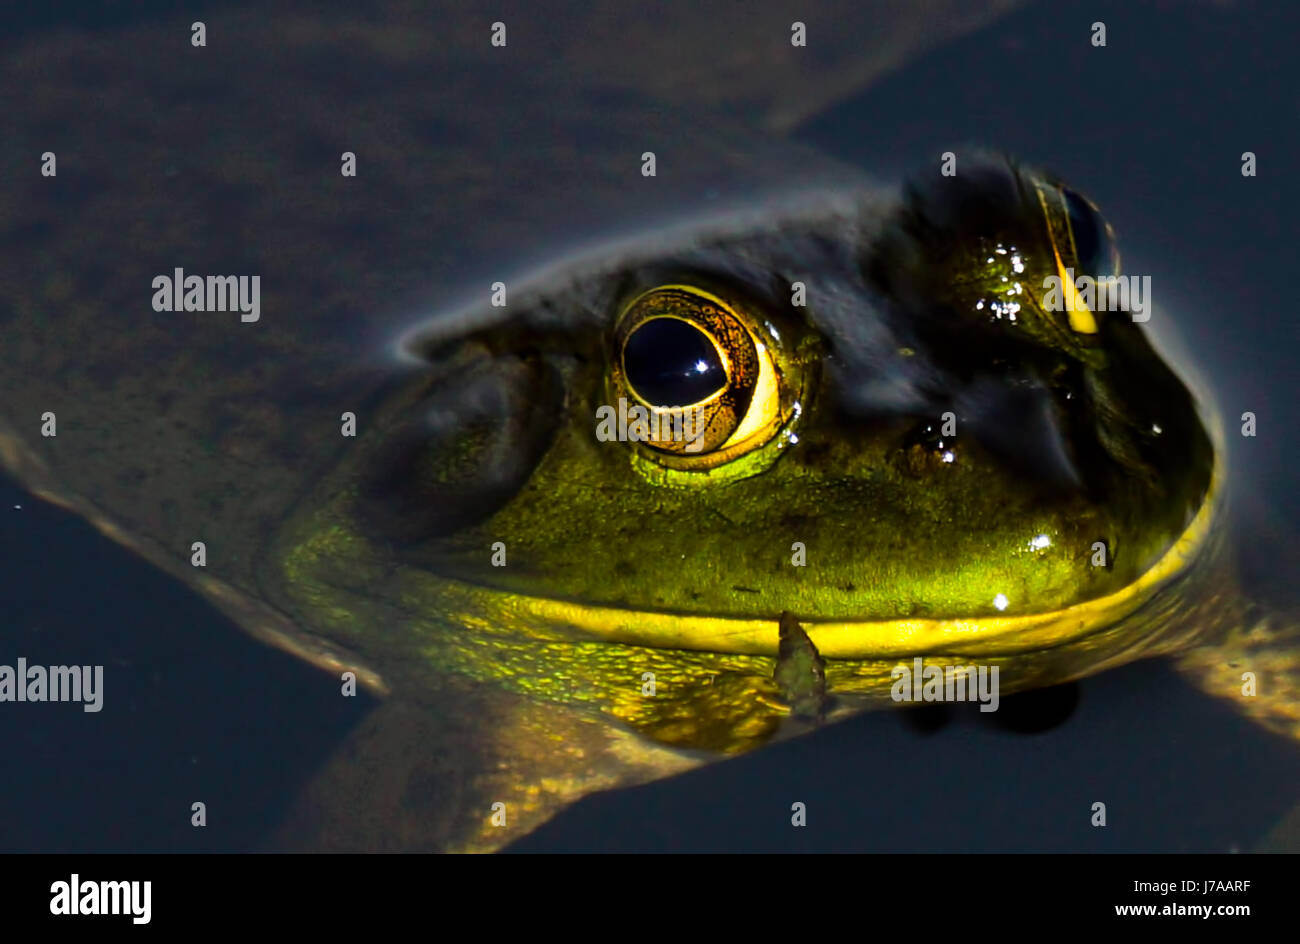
<point x="672" y="363"/>
<point x="1095" y="248"/>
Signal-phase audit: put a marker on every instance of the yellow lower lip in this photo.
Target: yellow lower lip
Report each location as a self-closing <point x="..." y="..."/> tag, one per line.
<point x="993" y="635"/>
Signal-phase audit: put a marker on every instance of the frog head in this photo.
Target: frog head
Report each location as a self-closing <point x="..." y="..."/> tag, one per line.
<point x="903" y="419"/>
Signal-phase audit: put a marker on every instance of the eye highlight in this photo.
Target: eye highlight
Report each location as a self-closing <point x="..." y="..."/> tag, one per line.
<point x="705" y="368"/>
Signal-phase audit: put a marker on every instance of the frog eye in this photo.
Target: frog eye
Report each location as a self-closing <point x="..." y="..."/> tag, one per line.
<point x="702" y="370"/>
<point x="1081" y="238"/>
<point x="1092" y="239"/>
<point x="1082" y="242"/>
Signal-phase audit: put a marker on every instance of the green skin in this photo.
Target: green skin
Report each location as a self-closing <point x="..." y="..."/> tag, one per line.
<point x="890" y="530"/>
<point x="399" y="534"/>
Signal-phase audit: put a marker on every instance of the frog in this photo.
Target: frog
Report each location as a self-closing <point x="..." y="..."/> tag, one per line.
<point x="902" y="447"/>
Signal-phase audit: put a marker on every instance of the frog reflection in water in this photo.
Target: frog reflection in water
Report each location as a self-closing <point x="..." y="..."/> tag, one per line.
<point x="905" y="451"/>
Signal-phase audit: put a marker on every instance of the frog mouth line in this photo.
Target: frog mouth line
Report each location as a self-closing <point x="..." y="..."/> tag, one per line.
<point x="849" y="639"/>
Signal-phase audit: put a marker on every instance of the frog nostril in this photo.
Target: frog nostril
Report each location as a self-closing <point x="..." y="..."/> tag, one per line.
<point x="926" y="447"/>
<point x="930" y="436"/>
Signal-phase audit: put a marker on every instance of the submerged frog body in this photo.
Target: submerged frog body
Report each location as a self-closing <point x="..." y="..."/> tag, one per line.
<point x="905" y="451"/>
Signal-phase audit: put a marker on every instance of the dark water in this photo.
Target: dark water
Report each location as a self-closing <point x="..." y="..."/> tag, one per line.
<point x="1152" y="127"/>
